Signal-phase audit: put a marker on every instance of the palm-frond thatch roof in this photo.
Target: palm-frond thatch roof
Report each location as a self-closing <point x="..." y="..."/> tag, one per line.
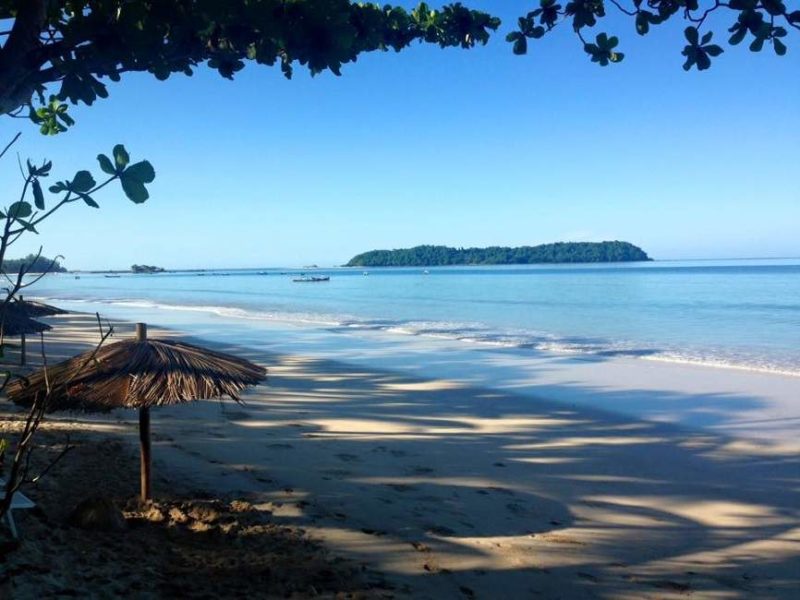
<point x="138" y="374"/>
<point x="38" y="309"/>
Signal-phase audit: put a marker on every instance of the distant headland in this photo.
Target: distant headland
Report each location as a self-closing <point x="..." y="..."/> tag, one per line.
<point x="560" y="252"/>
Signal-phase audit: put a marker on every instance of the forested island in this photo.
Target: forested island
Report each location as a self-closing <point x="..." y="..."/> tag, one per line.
<point x="146" y="269"/>
<point x="560" y="252"/>
<point x="34" y="264"/>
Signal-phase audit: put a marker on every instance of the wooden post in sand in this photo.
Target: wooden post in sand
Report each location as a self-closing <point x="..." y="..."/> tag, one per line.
<point x="144" y="430"/>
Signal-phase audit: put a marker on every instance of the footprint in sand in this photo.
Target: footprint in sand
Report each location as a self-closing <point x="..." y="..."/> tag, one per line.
<point x="516" y="508"/>
<point x="347" y="457"/>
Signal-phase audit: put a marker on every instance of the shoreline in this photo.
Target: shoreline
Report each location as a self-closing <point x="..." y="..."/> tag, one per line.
<point x="452" y="489"/>
<point x="545" y="346"/>
<point x="760" y="404"/>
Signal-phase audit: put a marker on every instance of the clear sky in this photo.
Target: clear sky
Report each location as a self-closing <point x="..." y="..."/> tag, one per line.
<point x="465" y="148"/>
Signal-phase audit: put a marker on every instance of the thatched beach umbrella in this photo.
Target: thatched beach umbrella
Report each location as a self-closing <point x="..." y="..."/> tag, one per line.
<point x="38" y="309"/>
<point x="17" y="322"/>
<point x="139" y="374"/>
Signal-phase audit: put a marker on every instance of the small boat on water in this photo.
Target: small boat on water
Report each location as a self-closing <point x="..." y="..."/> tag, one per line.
<point x="311" y="279"/>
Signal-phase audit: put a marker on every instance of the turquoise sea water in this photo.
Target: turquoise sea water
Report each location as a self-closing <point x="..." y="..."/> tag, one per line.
<point x="741" y="313"/>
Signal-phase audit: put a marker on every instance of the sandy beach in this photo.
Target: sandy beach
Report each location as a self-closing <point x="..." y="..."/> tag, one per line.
<point x="392" y="483"/>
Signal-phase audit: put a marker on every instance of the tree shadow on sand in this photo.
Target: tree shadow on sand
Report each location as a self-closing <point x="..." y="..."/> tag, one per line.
<point x="453" y="490"/>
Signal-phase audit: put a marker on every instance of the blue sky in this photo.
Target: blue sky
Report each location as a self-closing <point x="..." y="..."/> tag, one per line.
<point x="465" y="148"/>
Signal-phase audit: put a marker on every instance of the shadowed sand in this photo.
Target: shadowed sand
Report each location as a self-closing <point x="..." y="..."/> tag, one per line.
<point x="452" y="490"/>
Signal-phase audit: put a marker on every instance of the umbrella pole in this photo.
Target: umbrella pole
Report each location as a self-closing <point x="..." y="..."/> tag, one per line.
<point x="144" y="431"/>
<point x="144" y="443"/>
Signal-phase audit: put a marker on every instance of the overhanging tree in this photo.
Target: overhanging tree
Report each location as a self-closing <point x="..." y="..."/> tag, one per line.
<point x="71" y="46"/>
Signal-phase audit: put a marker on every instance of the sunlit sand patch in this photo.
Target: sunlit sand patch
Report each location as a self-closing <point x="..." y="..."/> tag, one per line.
<point x="783" y="546"/>
<point x="611" y="479"/>
<point x="455" y="482"/>
<point x="495" y="425"/>
<point x="434" y="385"/>
<point x="578" y="442"/>
<point x="55" y="424"/>
<point x="545" y="460"/>
<point x="741" y="447"/>
<point x="710" y="513"/>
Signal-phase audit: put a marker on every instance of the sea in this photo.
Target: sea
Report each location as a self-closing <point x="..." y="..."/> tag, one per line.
<point x="737" y="314"/>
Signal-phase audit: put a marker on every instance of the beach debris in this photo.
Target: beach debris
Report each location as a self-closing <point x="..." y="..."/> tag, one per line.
<point x="140" y="373"/>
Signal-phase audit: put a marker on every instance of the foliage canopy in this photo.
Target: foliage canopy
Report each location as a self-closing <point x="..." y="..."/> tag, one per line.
<point x="72" y="45"/>
<point x="34" y="263"/>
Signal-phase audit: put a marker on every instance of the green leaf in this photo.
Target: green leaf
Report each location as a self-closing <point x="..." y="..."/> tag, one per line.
<point x="691" y="36"/>
<point x="106" y="165"/>
<point x="707" y="38"/>
<point x="134" y="190"/>
<point x="38" y="196"/>
<point x="780" y="47"/>
<point x="27" y="226"/>
<point x="121" y="157"/>
<point x="142" y="171"/>
<point x="642" y="23"/>
<point x="20" y="210"/>
<point x="88" y="200"/>
<point x="82" y="182"/>
<point x="520" y="46"/>
<point x="738" y="36"/>
<point x="713" y="50"/>
<point x="757" y="44"/>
